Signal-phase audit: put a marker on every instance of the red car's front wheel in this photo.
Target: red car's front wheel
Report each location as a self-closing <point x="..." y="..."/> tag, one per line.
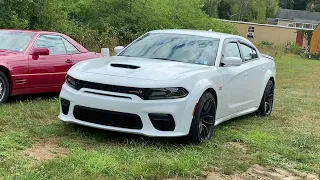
<point x="4" y="88"/>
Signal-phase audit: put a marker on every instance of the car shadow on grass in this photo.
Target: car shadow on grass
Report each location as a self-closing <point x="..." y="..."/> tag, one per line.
<point x="32" y="97"/>
<point x="105" y="136"/>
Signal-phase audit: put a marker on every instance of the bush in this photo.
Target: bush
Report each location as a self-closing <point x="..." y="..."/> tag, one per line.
<point x="293" y="49"/>
<point x="128" y="19"/>
<point x="315" y="56"/>
<point x="266" y="43"/>
<point x="269" y="48"/>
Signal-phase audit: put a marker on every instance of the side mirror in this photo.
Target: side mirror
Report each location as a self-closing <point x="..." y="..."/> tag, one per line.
<point x="232" y="61"/>
<point x="39" y="52"/>
<point x="118" y="49"/>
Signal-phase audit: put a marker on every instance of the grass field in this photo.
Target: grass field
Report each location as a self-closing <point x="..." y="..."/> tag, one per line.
<point x="34" y="144"/>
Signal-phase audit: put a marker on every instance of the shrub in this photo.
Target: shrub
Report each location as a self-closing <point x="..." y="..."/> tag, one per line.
<point x="128" y="19"/>
<point x="315" y="56"/>
<point x="266" y="43"/>
<point x="293" y="49"/>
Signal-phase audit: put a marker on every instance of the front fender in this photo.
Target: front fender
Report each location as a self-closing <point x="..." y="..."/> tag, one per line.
<point x="194" y="97"/>
<point x="201" y="87"/>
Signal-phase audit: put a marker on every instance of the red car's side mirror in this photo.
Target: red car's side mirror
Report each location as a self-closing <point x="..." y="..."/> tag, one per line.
<point x="39" y="52"/>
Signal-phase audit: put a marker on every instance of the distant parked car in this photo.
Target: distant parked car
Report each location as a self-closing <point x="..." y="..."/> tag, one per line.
<point x="171" y="83"/>
<point x="36" y="61"/>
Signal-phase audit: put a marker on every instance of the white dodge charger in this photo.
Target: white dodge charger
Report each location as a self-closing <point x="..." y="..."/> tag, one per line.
<point x="170" y="83"/>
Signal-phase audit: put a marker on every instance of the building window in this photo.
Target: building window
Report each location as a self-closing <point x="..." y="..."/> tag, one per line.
<point x="308" y="26"/>
<point x="250" y="32"/>
<point x="299" y="25"/>
<point x="314" y="26"/>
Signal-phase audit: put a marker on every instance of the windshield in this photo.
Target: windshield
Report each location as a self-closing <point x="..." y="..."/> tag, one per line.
<point x="175" y="47"/>
<point x="14" y="41"/>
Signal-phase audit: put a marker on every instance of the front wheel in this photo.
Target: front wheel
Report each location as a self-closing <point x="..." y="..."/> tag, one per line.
<point x="203" y="119"/>
<point x="4" y="88"/>
<point x="266" y="105"/>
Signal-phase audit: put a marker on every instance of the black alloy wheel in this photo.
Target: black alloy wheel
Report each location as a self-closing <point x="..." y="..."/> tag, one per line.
<point x="266" y="105"/>
<point x="203" y="120"/>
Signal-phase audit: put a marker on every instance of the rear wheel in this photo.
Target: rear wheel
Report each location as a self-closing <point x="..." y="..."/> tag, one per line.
<point x="266" y="105"/>
<point x="4" y="88"/>
<point x="203" y="119"/>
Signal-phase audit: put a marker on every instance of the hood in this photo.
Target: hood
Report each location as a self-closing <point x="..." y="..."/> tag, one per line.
<point x="4" y="53"/>
<point x="138" y="68"/>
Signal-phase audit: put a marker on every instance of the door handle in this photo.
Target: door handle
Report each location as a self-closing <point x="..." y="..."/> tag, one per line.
<point x="69" y="61"/>
<point x="245" y="75"/>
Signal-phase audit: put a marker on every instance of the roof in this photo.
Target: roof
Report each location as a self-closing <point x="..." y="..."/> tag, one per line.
<point x="298" y="14"/>
<point x="197" y="33"/>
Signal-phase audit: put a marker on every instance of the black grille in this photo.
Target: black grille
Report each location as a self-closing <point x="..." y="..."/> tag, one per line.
<point x="162" y="122"/>
<point x="106" y="87"/>
<point x="65" y="104"/>
<point x="108" y="118"/>
<point x="143" y="93"/>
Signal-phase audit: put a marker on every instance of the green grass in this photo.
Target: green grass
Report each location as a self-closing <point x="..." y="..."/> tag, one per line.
<point x="290" y="138"/>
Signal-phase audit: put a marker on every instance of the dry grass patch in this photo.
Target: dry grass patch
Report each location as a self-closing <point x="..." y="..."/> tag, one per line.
<point x="263" y="173"/>
<point x="46" y="149"/>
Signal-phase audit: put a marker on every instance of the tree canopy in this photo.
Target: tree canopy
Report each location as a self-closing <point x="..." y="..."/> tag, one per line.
<point x="255" y="10"/>
<point x="106" y="23"/>
<point x="242" y="10"/>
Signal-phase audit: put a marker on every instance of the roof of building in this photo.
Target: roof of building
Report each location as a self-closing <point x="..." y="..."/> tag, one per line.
<point x="298" y="14"/>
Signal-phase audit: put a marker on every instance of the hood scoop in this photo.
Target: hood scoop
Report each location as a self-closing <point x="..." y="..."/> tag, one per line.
<point x="127" y="66"/>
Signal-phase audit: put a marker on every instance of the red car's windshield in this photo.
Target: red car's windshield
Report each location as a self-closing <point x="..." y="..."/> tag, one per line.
<point x="14" y="41"/>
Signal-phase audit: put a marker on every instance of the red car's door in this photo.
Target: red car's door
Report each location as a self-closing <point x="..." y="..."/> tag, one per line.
<point x="50" y="70"/>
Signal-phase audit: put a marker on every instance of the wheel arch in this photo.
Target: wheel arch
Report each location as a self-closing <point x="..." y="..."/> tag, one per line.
<point x="203" y="86"/>
<point x="268" y="77"/>
<point x="273" y="80"/>
<point x="214" y="94"/>
<point x="7" y="73"/>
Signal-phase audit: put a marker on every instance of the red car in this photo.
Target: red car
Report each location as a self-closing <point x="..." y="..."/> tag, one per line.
<point x="36" y="61"/>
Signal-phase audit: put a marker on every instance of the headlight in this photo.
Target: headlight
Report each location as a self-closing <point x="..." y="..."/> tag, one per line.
<point x="71" y="81"/>
<point x="163" y="93"/>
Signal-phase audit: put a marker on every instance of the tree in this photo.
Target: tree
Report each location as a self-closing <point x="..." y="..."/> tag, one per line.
<point x="314" y="6"/>
<point x="300" y="4"/>
<point x="224" y="10"/>
<point x="286" y="4"/>
<point x="272" y="8"/>
<point x="210" y="7"/>
<point x="297" y="4"/>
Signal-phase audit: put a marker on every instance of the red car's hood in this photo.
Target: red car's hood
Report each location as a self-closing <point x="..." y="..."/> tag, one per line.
<point x="4" y="53"/>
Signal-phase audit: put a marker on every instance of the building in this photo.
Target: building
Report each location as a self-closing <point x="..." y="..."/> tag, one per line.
<point x="295" y="18"/>
<point x="275" y="34"/>
<point x="315" y="41"/>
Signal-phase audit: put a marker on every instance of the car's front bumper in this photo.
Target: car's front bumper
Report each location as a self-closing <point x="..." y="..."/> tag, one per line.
<point x="180" y="109"/>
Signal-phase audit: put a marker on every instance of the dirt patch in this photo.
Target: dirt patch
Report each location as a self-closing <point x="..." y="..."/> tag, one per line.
<point x="237" y="145"/>
<point x="262" y="173"/>
<point x="46" y="149"/>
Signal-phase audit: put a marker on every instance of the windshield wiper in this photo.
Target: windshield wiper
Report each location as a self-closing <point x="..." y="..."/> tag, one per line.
<point x="127" y="56"/>
<point x="6" y="50"/>
<point x="166" y="59"/>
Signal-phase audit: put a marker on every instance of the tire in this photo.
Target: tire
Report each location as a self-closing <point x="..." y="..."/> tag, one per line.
<point x="202" y="125"/>
<point x="266" y="104"/>
<point x="4" y="88"/>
